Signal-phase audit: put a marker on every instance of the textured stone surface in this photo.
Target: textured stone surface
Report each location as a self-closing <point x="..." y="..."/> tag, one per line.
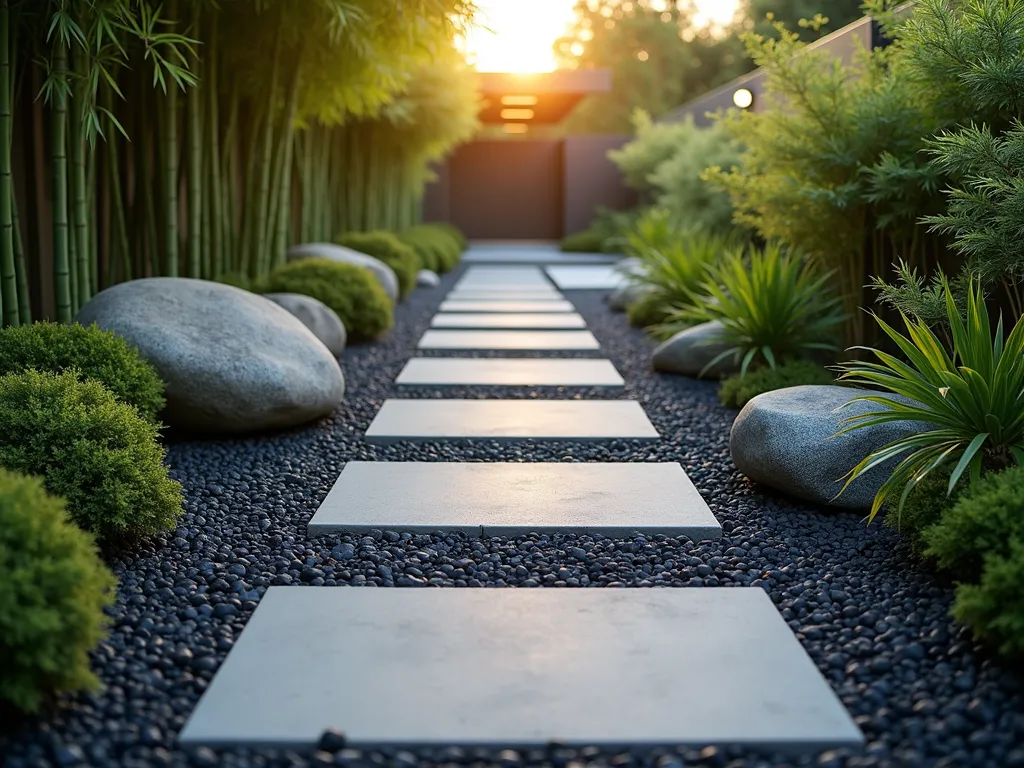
<point x="691" y="350"/>
<point x="626" y="294"/>
<point x="461" y="371"/>
<point x="509" y="320"/>
<point x="233" y="361"/>
<point x="519" y="668"/>
<point x="496" y="340"/>
<point x="510" y="420"/>
<point x="384" y="274"/>
<point x="513" y="499"/>
<point x="784" y="439"/>
<point x="586" y="278"/>
<point x="315" y="315"/>
<point x="427" y="279"/>
<point x="505" y="305"/>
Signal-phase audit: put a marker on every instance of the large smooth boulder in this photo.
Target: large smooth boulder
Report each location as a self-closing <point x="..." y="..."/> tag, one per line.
<point x="425" y="278"/>
<point x="385" y="275"/>
<point x="233" y="361"/>
<point x="315" y="315"/>
<point x="784" y="439"/>
<point x="622" y="297"/>
<point x="693" y="349"/>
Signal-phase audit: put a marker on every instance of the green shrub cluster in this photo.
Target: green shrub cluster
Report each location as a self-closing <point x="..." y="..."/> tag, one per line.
<point x="52" y="595"/>
<point x="387" y="247"/>
<point x="94" y="353"/>
<point x="439" y="246"/>
<point x="96" y="452"/>
<point x="587" y="241"/>
<point x="351" y="291"/>
<point x="737" y="390"/>
<point x="980" y="541"/>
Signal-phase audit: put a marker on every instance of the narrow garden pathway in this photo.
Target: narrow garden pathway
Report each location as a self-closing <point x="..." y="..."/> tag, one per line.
<point x="262" y="520"/>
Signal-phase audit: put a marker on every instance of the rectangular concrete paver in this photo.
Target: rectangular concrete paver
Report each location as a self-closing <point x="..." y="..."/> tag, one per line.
<point x="489" y="294"/>
<point x="505" y="372"/>
<point x="507" y="420"/>
<point x="507" y="340"/>
<point x="505" y="320"/>
<point x="513" y="499"/>
<point x="542" y="305"/>
<point x="581" y="278"/>
<point x="519" y="668"/>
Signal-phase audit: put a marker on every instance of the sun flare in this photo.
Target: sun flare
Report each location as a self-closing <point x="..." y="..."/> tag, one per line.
<point x="519" y="35"/>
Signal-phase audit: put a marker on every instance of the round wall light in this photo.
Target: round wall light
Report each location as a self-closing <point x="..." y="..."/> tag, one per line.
<point x="743" y="98"/>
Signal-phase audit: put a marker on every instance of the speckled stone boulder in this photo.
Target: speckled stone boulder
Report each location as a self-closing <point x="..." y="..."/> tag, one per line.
<point x="691" y="350"/>
<point x="233" y="361"/>
<point x="427" y="279"/>
<point x="784" y="439"/>
<point x="315" y="315"/>
<point x="385" y="275"/>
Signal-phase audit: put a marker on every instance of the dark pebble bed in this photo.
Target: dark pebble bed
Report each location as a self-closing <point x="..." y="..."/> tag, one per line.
<point x="875" y="622"/>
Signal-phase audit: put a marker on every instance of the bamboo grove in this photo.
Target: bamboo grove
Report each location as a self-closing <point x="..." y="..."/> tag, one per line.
<point x="202" y="137"/>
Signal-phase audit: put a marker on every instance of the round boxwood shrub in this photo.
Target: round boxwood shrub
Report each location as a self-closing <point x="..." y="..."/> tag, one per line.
<point x="385" y="246"/>
<point x="587" y="241"/>
<point x="96" y="452"/>
<point x="454" y="232"/>
<point x="737" y="390"/>
<point x="52" y="594"/>
<point x="94" y="353"/>
<point x="351" y="291"/>
<point x="436" y="246"/>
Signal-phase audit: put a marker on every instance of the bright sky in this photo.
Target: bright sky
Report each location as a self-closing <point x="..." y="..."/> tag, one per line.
<point x="521" y="32"/>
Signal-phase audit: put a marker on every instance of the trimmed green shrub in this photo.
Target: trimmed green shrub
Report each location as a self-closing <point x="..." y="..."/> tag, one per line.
<point x="587" y="241"/>
<point x="980" y="541"/>
<point x="389" y="249"/>
<point x="438" y="248"/>
<point x="96" y="452"/>
<point x="52" y="595"/>
<point x="352" y="292"/>
<point x="925" y="506"/>
<point x="456" y="233"/>
<point x="96" y="354"/>
<point x="737" y="389"/>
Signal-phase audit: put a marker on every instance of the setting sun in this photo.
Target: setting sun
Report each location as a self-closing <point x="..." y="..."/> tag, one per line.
<point x="518" y="35"/>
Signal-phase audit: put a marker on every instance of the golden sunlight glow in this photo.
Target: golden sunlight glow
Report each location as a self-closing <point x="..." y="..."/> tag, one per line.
<point x="519" y="101"/>
<point x="516" y="128"/>
<point x="517" y="114"/>
<point x="519" y="35"/>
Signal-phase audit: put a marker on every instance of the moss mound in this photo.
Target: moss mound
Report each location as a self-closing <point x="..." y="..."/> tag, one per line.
<point x="387" y="247"/>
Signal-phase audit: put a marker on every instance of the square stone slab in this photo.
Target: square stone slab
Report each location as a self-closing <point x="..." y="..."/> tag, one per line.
<point x="458" y="305"/>
<point x="519" y="668"/>
<point x="508" y="372"/>
<point x="519" y="340"/>
<point x="513" y="499"/>
<point x="507" y="420"/>
<point x="501" y="320"/>
<point x="591" y="278"/>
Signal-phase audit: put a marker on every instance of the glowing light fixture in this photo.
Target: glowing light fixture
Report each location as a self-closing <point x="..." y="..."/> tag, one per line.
<point x="519" y="101"/>
<point x="743" y="98"/>
<point x="517" y="114"/>
<point x="516" y="127"/>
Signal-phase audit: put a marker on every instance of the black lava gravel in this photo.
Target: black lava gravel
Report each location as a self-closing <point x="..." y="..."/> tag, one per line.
<point x="875" y="622"/>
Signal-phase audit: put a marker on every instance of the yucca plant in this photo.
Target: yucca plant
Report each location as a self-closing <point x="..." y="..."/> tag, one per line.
<point x="972" y="396"/>
<point x="773" y="305"/>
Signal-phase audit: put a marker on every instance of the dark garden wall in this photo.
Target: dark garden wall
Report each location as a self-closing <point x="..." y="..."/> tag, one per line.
<point x="526" y="189"/>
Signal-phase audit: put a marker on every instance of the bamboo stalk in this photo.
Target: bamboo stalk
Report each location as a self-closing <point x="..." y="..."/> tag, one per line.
<point x="171" y="205"/>
<point x="262" y="260"/>
<point x="214" y="223"/>
<point x="8" y="273"/>
<point x="284" y="215"/>
<point x="79" y="214"/>
<point x="59" y="192"/>
<point x="195" y="165"/>
<point x="119" y="227"/>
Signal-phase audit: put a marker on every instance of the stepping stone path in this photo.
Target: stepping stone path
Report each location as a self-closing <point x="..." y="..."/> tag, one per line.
<point x="606" y="667"/>
<point x="523" y="340"/>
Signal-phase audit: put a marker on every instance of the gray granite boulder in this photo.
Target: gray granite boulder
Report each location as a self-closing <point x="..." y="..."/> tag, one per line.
<point x="691" y="350"/>
<point x="784" y="439"/>
<point x="427" y="279"/>
<point x="315" y="315"/>
<point x="233" y="361"/>
<point x="385" y="275"/>
<point x="620" y="298"/>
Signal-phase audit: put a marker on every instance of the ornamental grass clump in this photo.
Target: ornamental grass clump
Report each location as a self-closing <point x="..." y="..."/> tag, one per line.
<point x="94" y="353"/>
<point x="52" y="595"/>
<point x="772" y="305"/>
<point x="351" y="291"/>
<point x="388" y="248"/>
<point x="88" y="447"/>
<point x="972" y="396"/>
